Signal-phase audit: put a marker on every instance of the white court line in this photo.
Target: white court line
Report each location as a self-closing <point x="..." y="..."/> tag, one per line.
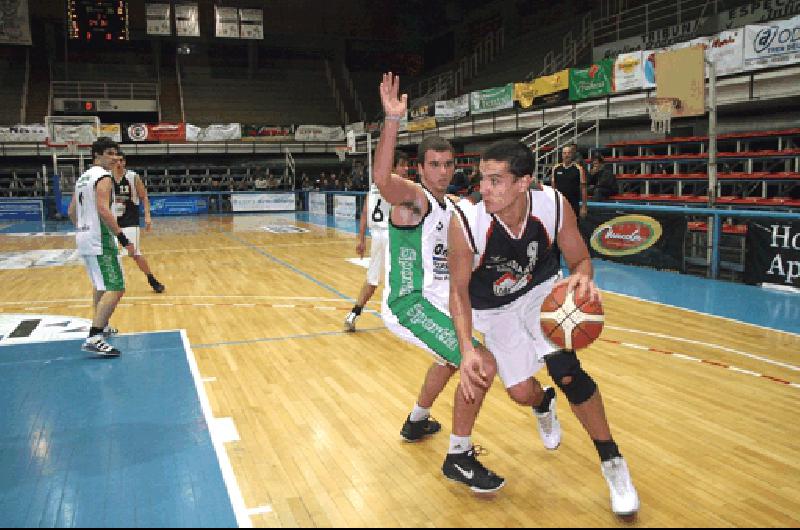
<point x="234" y="492"/>
<point x="259" y="510"/>
<point x="701" y="313"/>
<point x="709" y="345"/>
<point x="205" y="296"/>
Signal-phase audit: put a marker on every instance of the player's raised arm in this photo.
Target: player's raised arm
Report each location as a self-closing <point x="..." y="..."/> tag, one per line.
<point x="394" y="189"/>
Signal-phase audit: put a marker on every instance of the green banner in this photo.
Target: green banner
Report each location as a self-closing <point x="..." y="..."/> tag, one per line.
<point x="592" y="81"/>
<point x="492" y="99"/>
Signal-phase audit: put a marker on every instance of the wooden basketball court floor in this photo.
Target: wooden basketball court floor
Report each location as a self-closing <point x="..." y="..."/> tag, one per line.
<point x="705" y="409"/>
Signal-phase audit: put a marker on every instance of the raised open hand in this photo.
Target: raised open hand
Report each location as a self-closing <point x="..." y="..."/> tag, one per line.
<point x="393" y="106"/>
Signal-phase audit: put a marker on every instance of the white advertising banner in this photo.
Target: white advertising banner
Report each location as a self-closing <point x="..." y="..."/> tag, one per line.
<point x="726" y="50"/>
<point x="15" y="26"/>
<point x="316" y="203"/>
<point x="218" y="132"/>
<point x="23" y="133"/>
<point x="452" y="109"/>
<point x="628" y="72"/>
<point x="187" y="23"/>
<point x="158" y="19"/>
<point x="649" y="69"/>
<point x="252" y="23"/>
<point x="262" y="202"/>
<point x="344" y="206"/>
<point x="318" y="133"/>
<point x="226" y="22"/>
<point x="771" y="45"/>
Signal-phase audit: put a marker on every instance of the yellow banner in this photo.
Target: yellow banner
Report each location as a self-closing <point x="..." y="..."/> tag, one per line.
<point x="550" y="84"/>
<point x="524" y="93"/>
<point x="112" y="130"/>
<point x="422" y="125"/>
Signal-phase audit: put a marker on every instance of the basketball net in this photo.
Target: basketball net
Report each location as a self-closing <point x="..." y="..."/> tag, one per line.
<point x="341" y="152"/>
<point x="660" y="111"/>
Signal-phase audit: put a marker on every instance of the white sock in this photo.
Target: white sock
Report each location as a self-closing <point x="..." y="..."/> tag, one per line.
<point x="459" y="444"/>
<point x="419" y="414"/>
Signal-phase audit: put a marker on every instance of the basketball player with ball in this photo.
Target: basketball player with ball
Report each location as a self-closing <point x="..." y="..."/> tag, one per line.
<point x="502" y="268"/>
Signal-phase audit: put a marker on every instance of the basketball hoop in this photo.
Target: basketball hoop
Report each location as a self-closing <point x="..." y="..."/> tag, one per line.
<point x="72" y="147"/>
<point x="341" y="152"/>
<point x="661" y="111"/>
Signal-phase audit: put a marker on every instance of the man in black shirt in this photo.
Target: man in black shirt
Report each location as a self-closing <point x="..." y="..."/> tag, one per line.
<point x="129" y="192"/>
<point x="569" y="178"/>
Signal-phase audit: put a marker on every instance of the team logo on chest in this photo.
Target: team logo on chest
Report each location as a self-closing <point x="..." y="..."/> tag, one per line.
<point x="514" y="276"/>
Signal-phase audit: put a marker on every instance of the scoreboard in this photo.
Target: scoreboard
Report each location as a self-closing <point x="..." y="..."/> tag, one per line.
<point x="98" y="20"/>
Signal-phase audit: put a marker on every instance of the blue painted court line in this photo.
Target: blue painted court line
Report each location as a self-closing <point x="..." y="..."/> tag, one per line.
<point x="745" y="303"/>
<point x="274" y="339"/>
<point x="36" y="226"/>
<point x="107" y="442"/>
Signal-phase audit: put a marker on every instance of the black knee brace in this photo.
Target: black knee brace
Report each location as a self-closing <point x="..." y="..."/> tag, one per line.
<point x="564" y="364"/>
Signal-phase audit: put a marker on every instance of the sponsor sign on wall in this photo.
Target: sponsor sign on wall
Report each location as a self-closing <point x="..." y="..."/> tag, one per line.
<point x="262" y="202"/>
<point x="344" y="206"/>
<point x="492" y="99"/>
<point x="21" y="210"/>
<point x="179" y="205"/>
<point x="23" y="133"/>
<point x="316" y="203"/>
<point x="773" y="253"/>
<point x="318" y="133"/>
<point x="636" y="239"/>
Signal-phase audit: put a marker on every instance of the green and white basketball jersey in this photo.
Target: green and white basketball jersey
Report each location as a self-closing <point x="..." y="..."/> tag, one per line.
<point x="416" y="257"/>
<point x="92" y="236"/>
<point x="377" y="210"/>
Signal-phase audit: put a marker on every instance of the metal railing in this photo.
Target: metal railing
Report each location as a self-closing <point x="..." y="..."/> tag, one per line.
<point x="572" y="47"/>
<point x="642" y="19"/>
<point x="23" y="110"/>
<point x="351" y="89"/>
<point x="337" y="96"/>
<point x="545" y="141"/>
<point x="92" y="89"/>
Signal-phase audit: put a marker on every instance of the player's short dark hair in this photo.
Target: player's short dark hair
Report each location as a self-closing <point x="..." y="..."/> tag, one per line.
<point x="433" y="143"/>
<point x="100" y="145"/>
<point x="518" y="155"/>
<point x="399" y="156"/>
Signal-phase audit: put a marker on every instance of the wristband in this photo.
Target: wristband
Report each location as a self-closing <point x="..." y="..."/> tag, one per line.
<point x="393" y="117"/>
<point x="123" y="240"/>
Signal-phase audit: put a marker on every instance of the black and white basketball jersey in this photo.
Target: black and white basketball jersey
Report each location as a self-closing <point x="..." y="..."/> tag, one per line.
<point x="508" y="265"/>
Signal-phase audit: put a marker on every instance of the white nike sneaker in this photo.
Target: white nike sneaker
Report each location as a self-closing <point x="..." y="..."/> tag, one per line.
<point x="100" y="347"/>
<point x="108" y="332"/>
<point x="548" y="425"/>
<point x="350" y="322"/>
<point x="624" y="499"/>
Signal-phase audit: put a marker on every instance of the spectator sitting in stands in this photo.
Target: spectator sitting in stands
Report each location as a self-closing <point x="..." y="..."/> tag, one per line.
<point x="261" y="182"/>
<point x="602" y="182"/>
<point x="459" y="184"/>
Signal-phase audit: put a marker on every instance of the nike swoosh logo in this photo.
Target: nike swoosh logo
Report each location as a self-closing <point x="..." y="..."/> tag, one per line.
<point x="467" y="475"/>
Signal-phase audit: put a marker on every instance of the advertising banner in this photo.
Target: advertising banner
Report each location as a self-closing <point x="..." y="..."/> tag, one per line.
<point x="262" y="202"/>
<point x="652" y="241"/>
<point x="15" y="26"/>
<point x="179" y="205"/>
<point x="628" y="72"/>
<point x="423" y="124"/>
<point x="217" y="132"/>
<point x="23" y="133"/>
<point x="187" y="20"/>
<point x="344" y="206"/>
<point x="316" y="203"/>
<point x="319" y="133"/>
<point x="592" y="81"/>
<point x="775" y="44"/>
<point x="267" y="133"/>
<point x="158" y="19"/>
<point x="155" y="132"/>
<point x="452" y="109"/>
<point x="20" y="210"/>
<point x="492" y="99"/>
<point x="111" y="130"/>
<point x="773" y="253"/>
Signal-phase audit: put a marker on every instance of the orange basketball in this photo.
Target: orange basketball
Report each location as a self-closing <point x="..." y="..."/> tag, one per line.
<point x="569" y="322"/>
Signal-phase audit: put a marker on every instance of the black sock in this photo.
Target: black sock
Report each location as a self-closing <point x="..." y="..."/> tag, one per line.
<point x="607" y="450"/>
<point x="357" y="310"/>
<point x="151" y="278"/>
<point x="95" y="331"/>
<point x="544" y="406"/>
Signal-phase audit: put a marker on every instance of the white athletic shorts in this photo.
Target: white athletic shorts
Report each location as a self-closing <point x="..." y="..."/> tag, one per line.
<point x="105" y="272"/>
<point x="513" y="334"/>
<point x="377" y="255"/>
<point x="132" y="233"/>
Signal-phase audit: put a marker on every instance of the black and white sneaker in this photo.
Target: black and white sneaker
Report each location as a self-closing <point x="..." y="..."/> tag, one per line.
<point x="465" y="468"/>
<point x="108" y="332"/>
<point x="100" y="347"/>
<point x="414" y="431"/>
<point x="350" y="322"/>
